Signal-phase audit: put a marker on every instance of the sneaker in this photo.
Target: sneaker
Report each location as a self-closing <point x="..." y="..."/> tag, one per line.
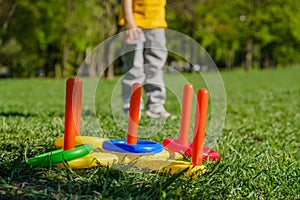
<point x="157" y="111"/>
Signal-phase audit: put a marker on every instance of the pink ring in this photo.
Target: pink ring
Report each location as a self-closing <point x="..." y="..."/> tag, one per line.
<point x="172" y="144"/>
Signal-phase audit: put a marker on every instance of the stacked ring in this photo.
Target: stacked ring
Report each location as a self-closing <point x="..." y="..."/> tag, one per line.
<point x="60" y="155"/>
<point x="142" y="146"/>
<point x="172" y="144"/>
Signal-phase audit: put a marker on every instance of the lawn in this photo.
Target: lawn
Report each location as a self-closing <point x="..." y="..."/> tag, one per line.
<point x="259" y="145"/>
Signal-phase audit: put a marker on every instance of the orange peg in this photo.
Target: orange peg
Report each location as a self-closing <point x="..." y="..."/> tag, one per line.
<point x="72" y="111"/>
<point x="134" y="111"/>
<point x="199" y="126"/>
<point x="187" y="100"/>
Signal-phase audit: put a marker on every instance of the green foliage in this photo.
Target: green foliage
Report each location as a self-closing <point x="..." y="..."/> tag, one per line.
<point x="225" y="28"/>
<point x="53" y="33"/>
<point x="55" y="36"/>
<point x="259" y="146"/>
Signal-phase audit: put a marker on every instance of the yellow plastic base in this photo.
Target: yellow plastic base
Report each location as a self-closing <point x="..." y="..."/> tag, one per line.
<point x="94" y="159"/>
<point x="95" y="141"/>
<point x="153" y="162"/>
<point x="178" y="166"/>
<point x="150" y="161"/>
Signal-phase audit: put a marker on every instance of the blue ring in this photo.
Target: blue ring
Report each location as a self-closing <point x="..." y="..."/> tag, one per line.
<point x="142" y="146"/>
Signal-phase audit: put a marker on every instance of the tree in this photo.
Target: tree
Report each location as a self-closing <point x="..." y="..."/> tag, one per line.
<point x="53" y="36"/>
<point x="244" y="32"/>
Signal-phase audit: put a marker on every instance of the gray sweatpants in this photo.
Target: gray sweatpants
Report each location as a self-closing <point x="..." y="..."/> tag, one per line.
<point x="145" y="65"/>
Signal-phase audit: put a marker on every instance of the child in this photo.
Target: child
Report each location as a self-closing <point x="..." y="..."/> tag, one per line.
<point x="144" y="22"/>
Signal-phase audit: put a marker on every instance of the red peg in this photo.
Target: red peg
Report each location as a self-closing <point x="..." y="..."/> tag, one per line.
<point x="199" y="126"/>
<point x="134" y="112"/>
<point x="187" y="100"/>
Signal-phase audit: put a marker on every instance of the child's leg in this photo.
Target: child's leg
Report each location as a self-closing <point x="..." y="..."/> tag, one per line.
<point x="155" y="55"/>
<point x="134" y="71"/>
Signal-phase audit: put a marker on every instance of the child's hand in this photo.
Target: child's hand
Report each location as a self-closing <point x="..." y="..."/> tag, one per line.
<point x="134" y="35"/>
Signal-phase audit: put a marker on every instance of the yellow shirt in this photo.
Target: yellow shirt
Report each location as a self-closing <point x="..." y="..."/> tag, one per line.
<point x="147" y="13"/>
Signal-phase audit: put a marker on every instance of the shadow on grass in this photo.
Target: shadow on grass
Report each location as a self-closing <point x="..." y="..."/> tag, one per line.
<point x="29" y="114"/>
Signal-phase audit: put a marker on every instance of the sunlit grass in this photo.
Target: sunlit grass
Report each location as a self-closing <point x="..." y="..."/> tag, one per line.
<point x="259" y="146"/>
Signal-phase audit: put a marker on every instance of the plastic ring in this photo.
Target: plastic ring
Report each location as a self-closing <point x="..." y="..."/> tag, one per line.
<point x="91" y="160"/>
<point x="142" y="146"/>
<point x="60" y="155"/>
<point x="210" y="154"/>
<point x="172" y="144"/>
<point x="95" y="141"/>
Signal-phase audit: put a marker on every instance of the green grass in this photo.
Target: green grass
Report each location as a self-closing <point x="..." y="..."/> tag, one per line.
<point x="259" y="145"/>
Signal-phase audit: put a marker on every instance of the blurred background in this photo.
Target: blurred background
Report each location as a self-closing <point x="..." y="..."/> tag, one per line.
<point x="52" y="38"/>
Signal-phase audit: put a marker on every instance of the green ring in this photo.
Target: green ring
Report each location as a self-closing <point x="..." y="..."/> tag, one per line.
<point x="60" y="155"/>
